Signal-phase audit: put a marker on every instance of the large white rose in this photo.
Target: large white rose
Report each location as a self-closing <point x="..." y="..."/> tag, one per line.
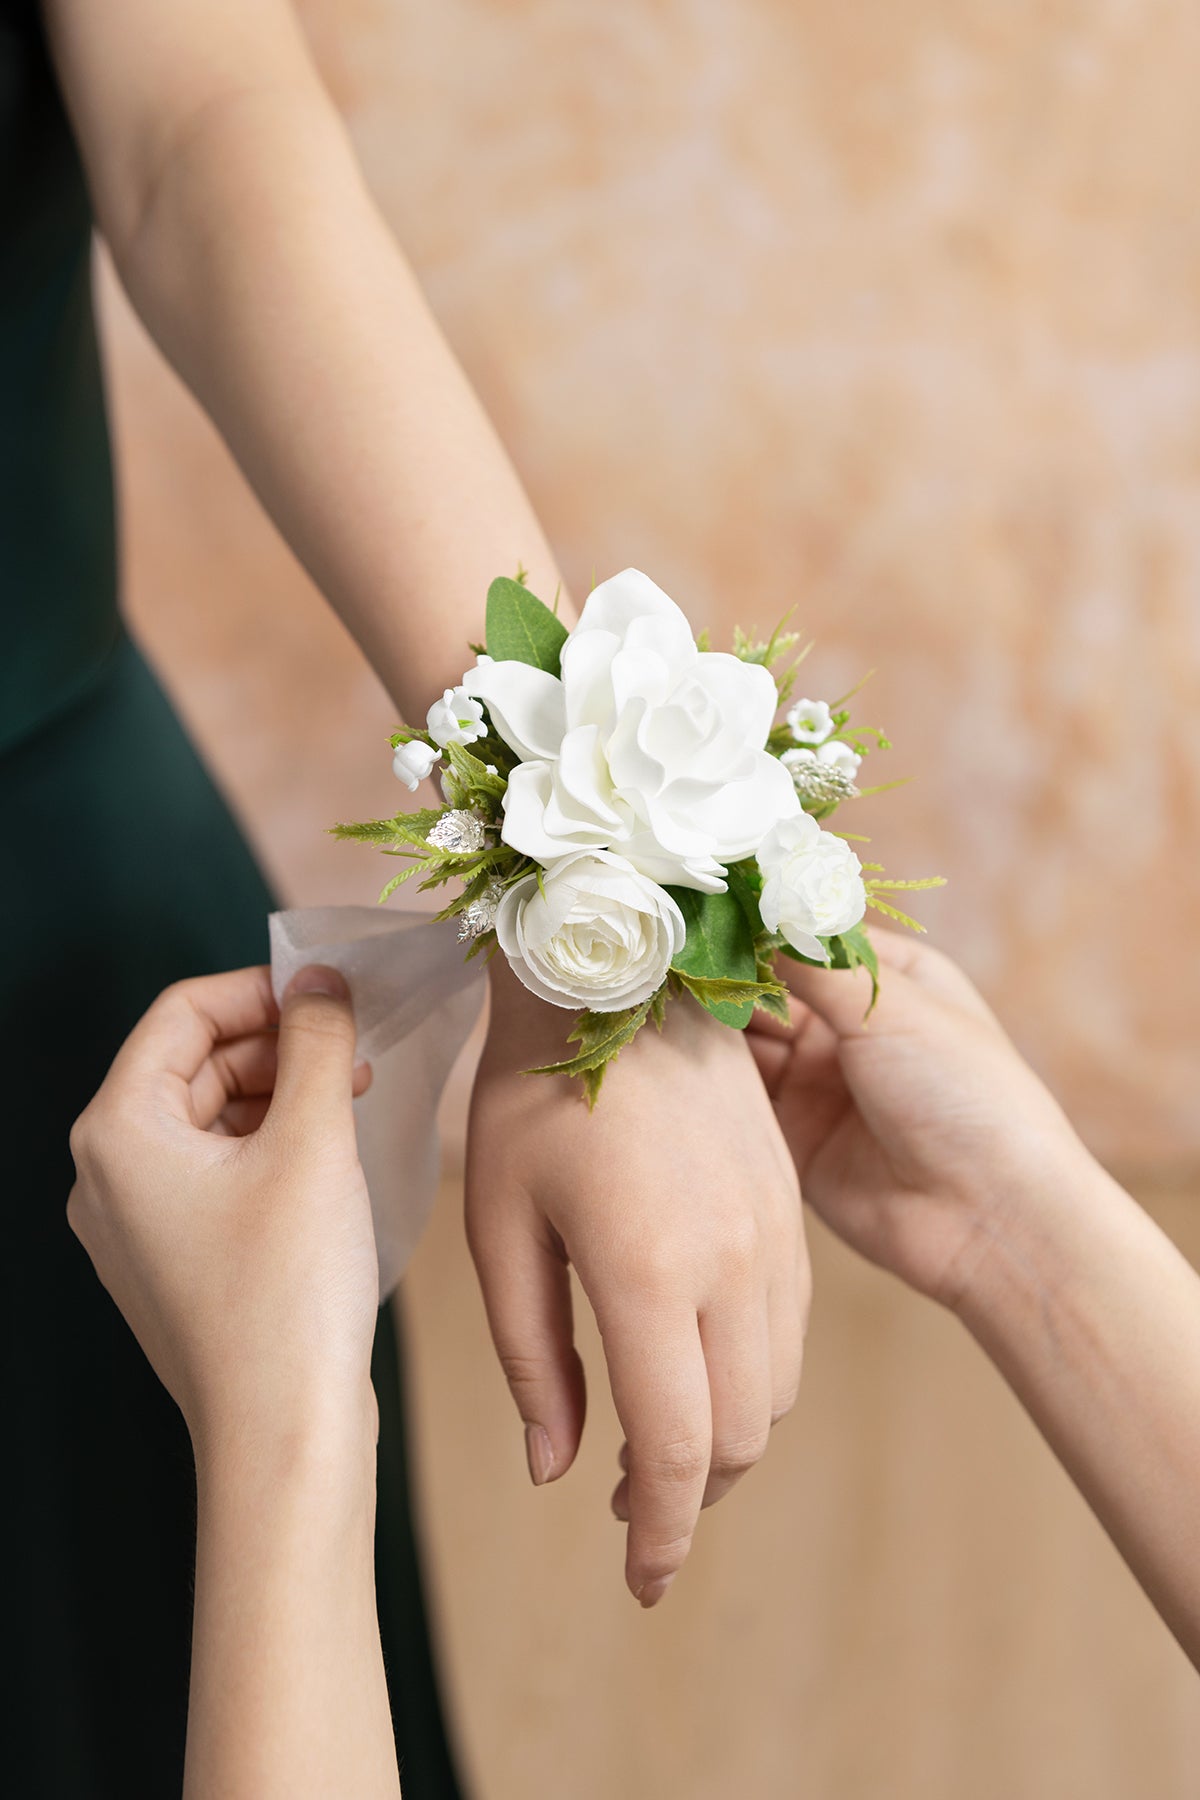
<point x="646" y="745"/>
<point x="594" y="934"/>
<point x="813" y="885"/>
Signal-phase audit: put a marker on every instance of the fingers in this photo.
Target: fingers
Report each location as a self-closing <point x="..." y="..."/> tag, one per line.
<point x="931" y="970"/>
<point x="838" y="996"/>
<point x="240" y="1070"/>
<point x="313" y="1082"/>
<point x="232" y="1089"/>
<point x="176" y="1035"/>
<point x="771" y="1056"/>
<point x="661" y="1388"/>
<point x="737" y="1349"/>
<point x="527" y="1293"/>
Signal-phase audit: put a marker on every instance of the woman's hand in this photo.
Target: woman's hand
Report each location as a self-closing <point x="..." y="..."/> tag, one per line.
<point x="220" y="1197"/>
<point x="915" y="1131"/>
<point x="923" y="1139"/>
<point x="676" y="1202"/>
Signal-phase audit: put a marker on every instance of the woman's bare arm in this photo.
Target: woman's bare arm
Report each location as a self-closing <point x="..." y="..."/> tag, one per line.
<point x="229" y="195"/>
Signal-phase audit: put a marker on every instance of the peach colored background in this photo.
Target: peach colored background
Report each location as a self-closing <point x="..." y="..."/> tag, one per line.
<point x="888" y="310"/>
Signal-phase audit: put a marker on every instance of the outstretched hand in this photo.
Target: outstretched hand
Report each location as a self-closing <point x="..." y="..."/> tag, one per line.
<point x="916" y="1129"/>
<point x="677" y="1204"/>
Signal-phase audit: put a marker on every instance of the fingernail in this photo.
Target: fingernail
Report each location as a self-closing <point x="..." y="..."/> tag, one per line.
<point x="317" y="979"/>
<point x="651" y="1592"/>
<point x="540" y="1454"/>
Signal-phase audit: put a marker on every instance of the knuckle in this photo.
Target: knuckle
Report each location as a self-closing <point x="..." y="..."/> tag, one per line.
<point x="784" y="1401"/>
<point x="319" y="1016"/>
<point x="655" y="1560"/>
<point x="741" y="1242"/>
<point x="737" y="1455"/>
<point x="522" y="1372"/>
<point x="677" y="1463"/>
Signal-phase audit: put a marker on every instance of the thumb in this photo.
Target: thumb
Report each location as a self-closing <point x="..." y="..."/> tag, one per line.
<point x="527" y="1293"/>
<point x="316" y="1050"/>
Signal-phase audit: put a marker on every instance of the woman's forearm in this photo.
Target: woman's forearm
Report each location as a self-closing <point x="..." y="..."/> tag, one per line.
<point x="1093" y="1317"/>
<point x="288" y="1696"/>
<point x="244" y="233"/>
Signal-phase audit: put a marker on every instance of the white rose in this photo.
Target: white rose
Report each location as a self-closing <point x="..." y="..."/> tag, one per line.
<point x="813" y="885"/>
<point x="645" y="746"/>
<point x="455" y="719"/>
<point x="411" y="763"/>
<point x="811" y="721"/>
<point x="595" y="934"/>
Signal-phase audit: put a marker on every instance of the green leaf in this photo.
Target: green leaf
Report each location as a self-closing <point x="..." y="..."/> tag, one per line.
<point x="853" y="949"/>
<point x="893" y="912"/>
<point x="405" y="828"/>
<point x="471" y="771"/>
<point x="521" y="628"/>
<point x="601" y="1037"/>
<point x="716" y="992"/>
<point x="719" y="947"/>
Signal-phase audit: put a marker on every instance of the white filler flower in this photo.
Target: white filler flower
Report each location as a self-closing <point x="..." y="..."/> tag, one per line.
<point x="646" y="746"/>
<point x="412" y="763"/>
<point x="595" y="934"/>
<point x="811" y="721"/>
<point x="833" y="755"/>
<point x="455" y="719"/>
<point x="813" y="885"/>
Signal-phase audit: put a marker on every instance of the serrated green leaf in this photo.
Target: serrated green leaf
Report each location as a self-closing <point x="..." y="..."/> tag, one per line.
<point x="406" y="828"/>
<point x="925" y="881"/>
<point x="601" y="1037"/>
<point x="521" y="628"/>
<point x="471" y="771"/>
<point x="775" y="1003"/>
<point x="721" y="995"/>
<point x="719" y="946"/>
<point x="893" y="912"/>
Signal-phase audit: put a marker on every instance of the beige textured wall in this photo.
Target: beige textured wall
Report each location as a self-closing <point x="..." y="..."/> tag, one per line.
<point x="889" y="310"/>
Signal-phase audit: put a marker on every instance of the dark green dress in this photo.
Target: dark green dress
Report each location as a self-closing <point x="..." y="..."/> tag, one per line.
<point x="121" y="871"/>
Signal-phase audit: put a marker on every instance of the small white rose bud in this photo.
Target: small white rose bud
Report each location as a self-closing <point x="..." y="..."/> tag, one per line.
<point x="412" y="762"/>
<point x="812" y="885"/>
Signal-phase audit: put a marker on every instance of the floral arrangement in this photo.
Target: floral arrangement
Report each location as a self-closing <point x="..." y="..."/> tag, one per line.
<point x="629" y="818"/>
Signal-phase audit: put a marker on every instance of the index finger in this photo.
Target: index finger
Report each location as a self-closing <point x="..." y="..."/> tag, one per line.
<point x="660" y="1386"/>
<point x="177" y="1034"/>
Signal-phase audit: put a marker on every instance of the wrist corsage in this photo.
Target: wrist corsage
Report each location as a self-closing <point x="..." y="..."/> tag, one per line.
<point x="630" y="819"/>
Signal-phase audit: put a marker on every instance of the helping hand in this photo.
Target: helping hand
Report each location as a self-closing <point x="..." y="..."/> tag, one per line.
<point x="676" y="1202"/>
<point x="916" y="1131"/>
<point x="220" y="1197"/>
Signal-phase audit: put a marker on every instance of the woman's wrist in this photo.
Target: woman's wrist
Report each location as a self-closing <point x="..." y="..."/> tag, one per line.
<point x="323" y="1445"/>
<point x="1040" y="1237"/>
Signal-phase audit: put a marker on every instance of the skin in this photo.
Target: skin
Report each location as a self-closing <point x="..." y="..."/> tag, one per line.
<point x="232" y="1227"/>
<point x="923" y="1140"/>
<point x="226" y="189"/>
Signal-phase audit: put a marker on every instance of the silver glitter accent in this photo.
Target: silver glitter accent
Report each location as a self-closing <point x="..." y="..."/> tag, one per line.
<point x="821" y="784"/>
<point x="459" y="831"/>
<point x="480" y="916"/>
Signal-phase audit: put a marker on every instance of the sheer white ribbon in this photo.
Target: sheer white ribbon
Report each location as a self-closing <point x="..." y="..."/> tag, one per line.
<point x="415" y="1001"/>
